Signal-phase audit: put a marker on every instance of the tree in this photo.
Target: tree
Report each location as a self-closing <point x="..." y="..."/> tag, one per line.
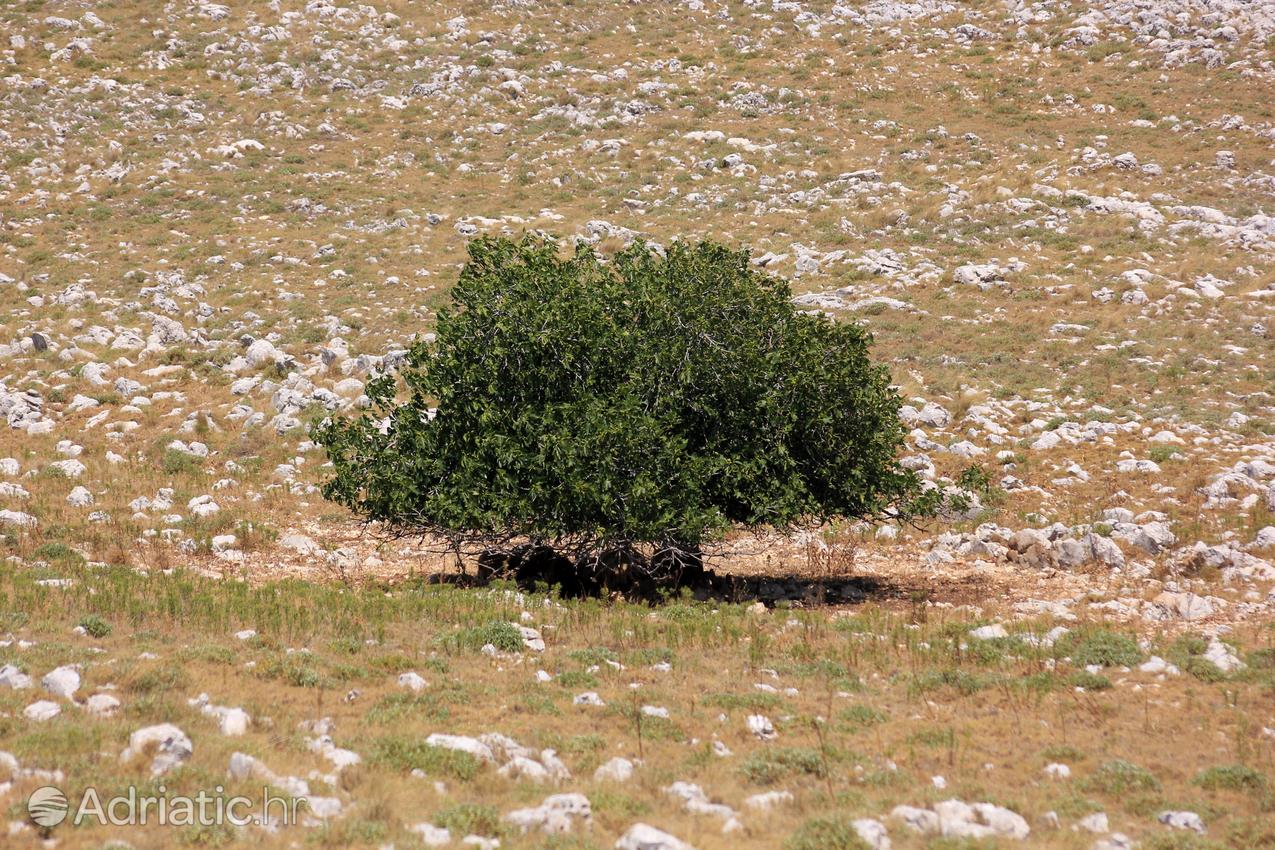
<point x="613" y="417"/>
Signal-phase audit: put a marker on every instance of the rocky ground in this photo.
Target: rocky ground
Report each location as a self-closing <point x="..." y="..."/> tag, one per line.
<point x="217" y="222"/>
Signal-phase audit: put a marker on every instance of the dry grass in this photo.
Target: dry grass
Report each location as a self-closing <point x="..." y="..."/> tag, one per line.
<point x="884" y="700"/>
<point x="326" y="232"/>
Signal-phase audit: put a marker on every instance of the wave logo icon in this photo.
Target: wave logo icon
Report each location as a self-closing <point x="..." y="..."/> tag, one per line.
<point x="47" y="806"/>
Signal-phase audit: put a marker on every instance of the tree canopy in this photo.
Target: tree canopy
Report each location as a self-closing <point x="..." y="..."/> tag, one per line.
<point x="659" y="397"/>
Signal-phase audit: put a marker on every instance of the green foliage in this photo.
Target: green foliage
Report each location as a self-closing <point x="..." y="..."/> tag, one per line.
<point x="858" y="717"/>
<point x="1252" y="832"/>
<point x="58" y="553"/>
<point x="1100" y="646"/>
<point x="826" y="834"/>
<point x="1230" y="777"/>
<point x="593" y="655"/>
<point x="394" y="708"/>
<point x="409" y="753"/>
<point x="963" y="681"/>
<point x="660" y="397"/>
<point x="179" y="463"/>
<point x="95" y="626"/>
<point x="1178" y="840"/>
<point x="1089" y="681"/>
<point x="298" y="669"/>
<point x="504" y="636"/>
<point x="157" y="679"/>
<point x="972" y="481"/>
<point x="773" y="764"/>
<point x="1118" y="777"/>
<point x="1062" y="752"/>
<point x="574" y="679"/>
<point x="470" y="819"/>
<point x="611" y="802"/>
<point x="1187" y="652"/>
<point x="751" y="700"/>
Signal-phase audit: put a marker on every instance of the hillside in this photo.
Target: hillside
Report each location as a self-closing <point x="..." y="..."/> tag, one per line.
<point x="219" y="221"/>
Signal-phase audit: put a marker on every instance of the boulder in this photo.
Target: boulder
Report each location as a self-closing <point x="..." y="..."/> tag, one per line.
<point x="640" y="836"/>
<point x="616" y="770"/>
<point x="42" y="710"/>
<point x="557" y="814"/>
<point x="102" y="705"/>
<point x="167" y="746"/>
<point x="62" y="682"/>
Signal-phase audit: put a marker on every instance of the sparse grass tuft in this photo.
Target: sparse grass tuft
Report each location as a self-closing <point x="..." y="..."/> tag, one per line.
<point x="1230" y="777"/>
<point x="770" y="766"/>
<point x="405" y="754"/>
<point x="1119" y="777"/>
<point x="503" y="636"/>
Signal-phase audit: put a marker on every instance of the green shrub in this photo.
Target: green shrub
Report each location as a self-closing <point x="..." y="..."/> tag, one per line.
<point x="157" y="679"/>
<point x="1187" y="652"/>
<point x="59" y="553"/>
<point x="658" y="398"/>
<point x="1257" y="831"/>
<point x="1100" y="646"/>
<point x="95" y="626"/>
<point x="504" y="636"/>
<point x="751" y="700"/>
<point x="209" y="653"/>
<point x="1089" y="681"/>
<point x="299" y="669"/>
<point x="1119" y="777"/>
<point x="1230" y="777"/>
<point x="1062" y="752"/>
<point x="826" y="834"/>
<point x="771" y="765"/>
<point x="594" y="655"/>
<point x="577" y="679"/>
<point x="860" y="717"/>
<point x="396" y="707"/>
<point x="470" y="819"/>
<point x="406" y="754"/>
<point x="179" y="463"/>
<point x="963" y="681"/>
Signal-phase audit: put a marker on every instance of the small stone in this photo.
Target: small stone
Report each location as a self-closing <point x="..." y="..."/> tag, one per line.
<point x="1182" y="820"/>
<point x="761" y="727"/>
<point x="616" y="770"/>
<point x="641" y="836"/>
<point x="12" y="677"/>
<point x="996" y="630"/>
<point x="873" y="833"/>
<point x="168" y="744"/>
<point x="102" y="705"/>
<point x="1096" y="823"/>
<point x="432" y="836"/>
<point x="41" y="711"/>
<point x="412" y="681"/>
<point x="768" y="800"/>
